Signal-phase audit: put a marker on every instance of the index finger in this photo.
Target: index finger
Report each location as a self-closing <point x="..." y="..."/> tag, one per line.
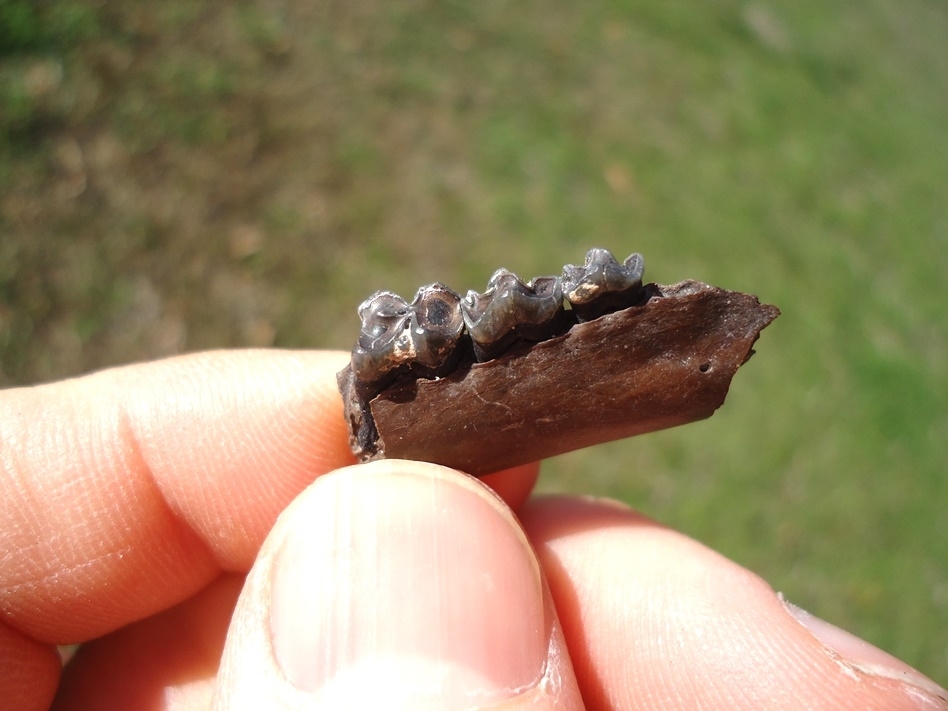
<point x="126" y="491"/>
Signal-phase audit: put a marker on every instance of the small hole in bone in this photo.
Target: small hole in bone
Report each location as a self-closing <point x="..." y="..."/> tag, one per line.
<point x="704" y="367"/>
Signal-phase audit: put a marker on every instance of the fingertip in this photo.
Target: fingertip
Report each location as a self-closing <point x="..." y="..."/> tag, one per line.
<point x="514" y="485"/>
<point x="867" y="660"/>
<point x="231" y="437"/>
<point x="401" y="582"/>
<point x="163" y="473"/>
<point x="430" y="555"/>
<point x="332" y="438"/>
<point x="655" y="618"/>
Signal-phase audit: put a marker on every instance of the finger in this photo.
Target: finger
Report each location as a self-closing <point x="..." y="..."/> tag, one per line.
<point x="168" y="661"/>
<point x="30" y="671"/>
<point x="124" y="492"/>
<point x="396" y="585"/>
<point x="514" y="485"/>
<point x="653" y="619"/>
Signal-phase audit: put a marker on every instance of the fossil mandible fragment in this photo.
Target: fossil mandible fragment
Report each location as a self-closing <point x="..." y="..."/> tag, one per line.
<point x="443" y="380"/>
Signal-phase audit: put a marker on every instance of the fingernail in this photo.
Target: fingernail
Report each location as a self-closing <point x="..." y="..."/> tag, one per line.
<point x="407" y="585"/>
<point x="861" y="657"/>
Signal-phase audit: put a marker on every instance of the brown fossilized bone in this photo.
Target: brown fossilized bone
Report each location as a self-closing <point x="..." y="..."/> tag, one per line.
<point x="510" y="376"/>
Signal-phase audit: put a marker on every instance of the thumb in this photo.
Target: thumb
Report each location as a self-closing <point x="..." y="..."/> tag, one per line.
<point x="396" y="585"/>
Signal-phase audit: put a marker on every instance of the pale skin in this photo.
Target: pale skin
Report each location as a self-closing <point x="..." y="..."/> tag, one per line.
<point x="199" y="525"/>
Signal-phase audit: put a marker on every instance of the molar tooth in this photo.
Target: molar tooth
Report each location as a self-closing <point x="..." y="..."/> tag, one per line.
<point x="603" y="285"/>
<point x="510" y="309"/>
<point x="385" y="343"/>
<point x="436" y="328"/>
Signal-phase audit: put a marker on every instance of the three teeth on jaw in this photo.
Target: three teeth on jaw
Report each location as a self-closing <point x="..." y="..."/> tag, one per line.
<point x="427" y="335"/>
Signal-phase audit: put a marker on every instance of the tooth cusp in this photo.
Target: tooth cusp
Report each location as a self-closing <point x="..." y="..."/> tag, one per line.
<point x="602" y="285"/>
<point x="436" y="328"/>
<point x="511" y="309"/>
<point x="429" y="336"/>
<point x="385" y="344"/>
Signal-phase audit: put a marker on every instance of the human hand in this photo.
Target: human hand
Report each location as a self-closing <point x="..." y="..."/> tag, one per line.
<point x="133" y="501"/>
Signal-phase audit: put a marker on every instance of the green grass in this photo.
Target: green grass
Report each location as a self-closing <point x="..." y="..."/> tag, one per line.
<point x="796" y="150"/>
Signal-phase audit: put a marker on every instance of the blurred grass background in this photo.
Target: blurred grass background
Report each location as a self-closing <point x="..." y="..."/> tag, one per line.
<point x="185" y="175"/>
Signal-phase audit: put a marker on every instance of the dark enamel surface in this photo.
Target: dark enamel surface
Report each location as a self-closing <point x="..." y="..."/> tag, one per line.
<point x="511" y="309"/>
<point x="436" y="327"/>
<point x="385" y="342"/>
<point x="431" y="334"/>
<point x="602" y="285"/>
